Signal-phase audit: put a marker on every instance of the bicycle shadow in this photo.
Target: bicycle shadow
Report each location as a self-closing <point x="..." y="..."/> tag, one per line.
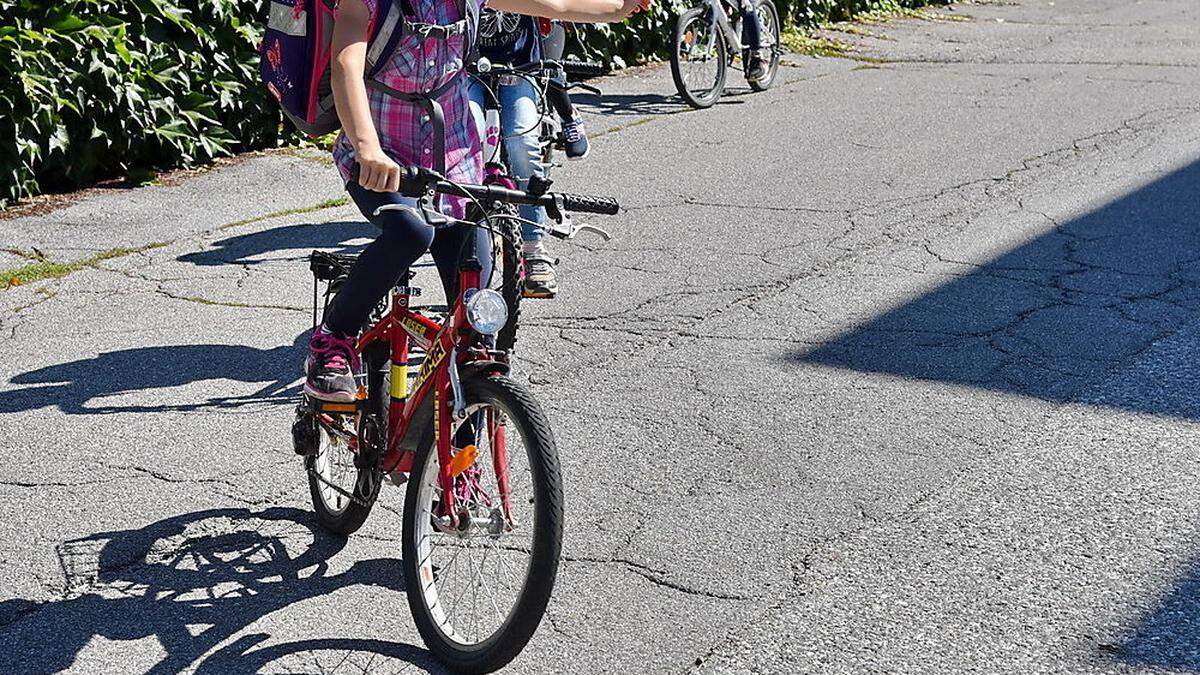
<point x="73" y="385"/>
<point x="628" y="104"/>
<point x="193" y="582"/>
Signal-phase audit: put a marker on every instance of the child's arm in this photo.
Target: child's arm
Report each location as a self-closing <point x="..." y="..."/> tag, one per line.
<point x="377" y="171"/>
<point x="584" y="11"/>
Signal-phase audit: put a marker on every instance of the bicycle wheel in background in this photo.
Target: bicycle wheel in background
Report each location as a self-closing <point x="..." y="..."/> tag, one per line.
<point x="698" y="58"/>
<point x="768" y="18"/>
<point x="478" y="590"/>
<point x="509" y="274"/>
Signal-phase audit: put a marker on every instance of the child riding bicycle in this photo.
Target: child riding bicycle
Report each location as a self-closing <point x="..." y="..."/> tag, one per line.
<point x="413" y="111"/>
<point x="515" y="40"/>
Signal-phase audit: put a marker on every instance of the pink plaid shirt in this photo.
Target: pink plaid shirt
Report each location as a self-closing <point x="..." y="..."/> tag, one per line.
<point x="405" y="131"/>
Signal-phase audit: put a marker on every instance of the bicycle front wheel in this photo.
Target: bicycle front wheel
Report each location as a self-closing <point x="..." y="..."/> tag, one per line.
<point x="478" y="586"/>
<point x="699" y="59"/>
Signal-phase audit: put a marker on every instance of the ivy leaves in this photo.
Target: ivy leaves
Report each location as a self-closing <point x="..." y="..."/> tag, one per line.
<point x="97" y="88"/>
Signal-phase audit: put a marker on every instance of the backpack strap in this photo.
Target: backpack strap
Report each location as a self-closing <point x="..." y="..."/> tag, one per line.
<point x="470" y="14"/>
<point x="393" y="27"/>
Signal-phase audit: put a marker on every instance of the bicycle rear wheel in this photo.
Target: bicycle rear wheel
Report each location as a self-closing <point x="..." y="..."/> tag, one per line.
<point x="478" y="590"/>
<point x="343" y="480"/>
<point x="768" y="18"/>
<point x="698" y="59"/>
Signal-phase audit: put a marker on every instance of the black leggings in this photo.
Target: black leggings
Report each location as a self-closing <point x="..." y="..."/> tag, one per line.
<point x="751" y="27"/>
<point x="404" y="237"/>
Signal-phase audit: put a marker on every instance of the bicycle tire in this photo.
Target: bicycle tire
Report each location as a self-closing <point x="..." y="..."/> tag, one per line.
<point x="701" y="98"/>
<point x="511" y="286"/>
<point x="767" y="7"/>
<point x="526" y="613"/>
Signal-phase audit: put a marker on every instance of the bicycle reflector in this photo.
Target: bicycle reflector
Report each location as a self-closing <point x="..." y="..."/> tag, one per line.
<point x="486" y="311"/>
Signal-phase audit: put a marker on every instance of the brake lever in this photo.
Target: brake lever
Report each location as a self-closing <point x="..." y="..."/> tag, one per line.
<point x="425" y="208"/>
<point x="599" y="232"/>
<point x="568" y="230"/>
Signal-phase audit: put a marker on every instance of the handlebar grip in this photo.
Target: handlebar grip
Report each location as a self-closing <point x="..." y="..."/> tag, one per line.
<point x="588" y="204"/>
<point x="584" y="68"/>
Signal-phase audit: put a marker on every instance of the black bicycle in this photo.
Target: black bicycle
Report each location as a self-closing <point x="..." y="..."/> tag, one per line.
<point x="706" y="43"/>
<point x="546" y="76"/>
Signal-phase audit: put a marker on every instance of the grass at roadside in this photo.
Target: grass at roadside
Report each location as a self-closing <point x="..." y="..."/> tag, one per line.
<point x="42" y="268"/>
<point x="49" y="269"/>
<point x="818" y="42"/>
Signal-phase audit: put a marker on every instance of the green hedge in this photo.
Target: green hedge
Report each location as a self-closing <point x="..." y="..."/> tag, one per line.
<point x="91" y="89"/>
<point x="96" y="88"/>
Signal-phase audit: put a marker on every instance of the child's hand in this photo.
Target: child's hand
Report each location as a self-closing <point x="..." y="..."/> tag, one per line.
<point x="377" y="171"/>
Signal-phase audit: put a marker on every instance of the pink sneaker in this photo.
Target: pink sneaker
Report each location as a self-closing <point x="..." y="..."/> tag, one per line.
<point x="330" y="367"/>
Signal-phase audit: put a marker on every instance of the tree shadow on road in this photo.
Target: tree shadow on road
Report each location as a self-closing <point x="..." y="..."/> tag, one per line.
<point x="1053" y="317"/>
<point x="1167" y="637"/>
<point x="194" y="582"/>
<point x="75" y="387"/>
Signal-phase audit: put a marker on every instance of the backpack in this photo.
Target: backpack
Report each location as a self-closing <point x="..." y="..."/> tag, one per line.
<point x="297" y="51"/>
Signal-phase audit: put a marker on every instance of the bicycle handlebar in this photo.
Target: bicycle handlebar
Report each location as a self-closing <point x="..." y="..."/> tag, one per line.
<point x="584" y="68"/>
<point x="570" y="67"/>
<point x="416" y="182"/>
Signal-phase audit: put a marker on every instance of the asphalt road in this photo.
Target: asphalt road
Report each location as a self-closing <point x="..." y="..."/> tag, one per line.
<point x="890" y="368"/>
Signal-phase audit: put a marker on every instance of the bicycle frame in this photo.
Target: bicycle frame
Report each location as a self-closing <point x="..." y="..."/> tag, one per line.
<point x="732" y="38"/>
<point x="449" y="348"/>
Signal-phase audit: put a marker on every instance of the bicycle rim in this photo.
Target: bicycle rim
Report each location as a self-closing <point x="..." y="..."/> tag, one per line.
<point x="768" y="18"/>
<point x="699" y="59"/>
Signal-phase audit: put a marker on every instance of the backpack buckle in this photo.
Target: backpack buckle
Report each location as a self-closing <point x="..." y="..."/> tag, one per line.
<point x="441" y="32"/>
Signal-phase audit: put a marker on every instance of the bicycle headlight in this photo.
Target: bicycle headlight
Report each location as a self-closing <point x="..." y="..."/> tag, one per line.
<point x="486" y="311"/>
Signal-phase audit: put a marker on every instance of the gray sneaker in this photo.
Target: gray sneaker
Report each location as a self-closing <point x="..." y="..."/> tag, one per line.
<point x="540" y="279"/>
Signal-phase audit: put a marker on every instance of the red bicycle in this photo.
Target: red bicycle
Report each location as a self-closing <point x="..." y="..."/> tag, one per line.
<point x="482" y="522"/>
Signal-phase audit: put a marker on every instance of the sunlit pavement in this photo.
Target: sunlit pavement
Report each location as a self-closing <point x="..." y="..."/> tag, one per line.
<point x="888" y="368"/>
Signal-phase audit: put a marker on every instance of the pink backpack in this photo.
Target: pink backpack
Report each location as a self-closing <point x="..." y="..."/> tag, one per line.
<point x="297" y="49"/>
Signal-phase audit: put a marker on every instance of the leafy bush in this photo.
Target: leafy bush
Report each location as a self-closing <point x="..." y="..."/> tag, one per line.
<point x="96" y="88"/>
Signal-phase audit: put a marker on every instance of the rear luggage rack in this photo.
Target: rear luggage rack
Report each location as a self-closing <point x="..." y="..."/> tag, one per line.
<point x="330" y="266"/>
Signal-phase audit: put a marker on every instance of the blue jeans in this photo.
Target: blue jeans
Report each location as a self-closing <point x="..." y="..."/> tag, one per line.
<point x="520" y="124"/>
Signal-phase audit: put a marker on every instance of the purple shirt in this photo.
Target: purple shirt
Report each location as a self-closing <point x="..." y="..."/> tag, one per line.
<point x="405" y="131"/>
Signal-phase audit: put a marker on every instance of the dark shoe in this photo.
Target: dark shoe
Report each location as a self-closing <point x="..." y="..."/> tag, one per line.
<point x="575" y="139"/>
<point x="756" y="67"/>
<point x="330" y="367"/>
<point x="540" y="279"/>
